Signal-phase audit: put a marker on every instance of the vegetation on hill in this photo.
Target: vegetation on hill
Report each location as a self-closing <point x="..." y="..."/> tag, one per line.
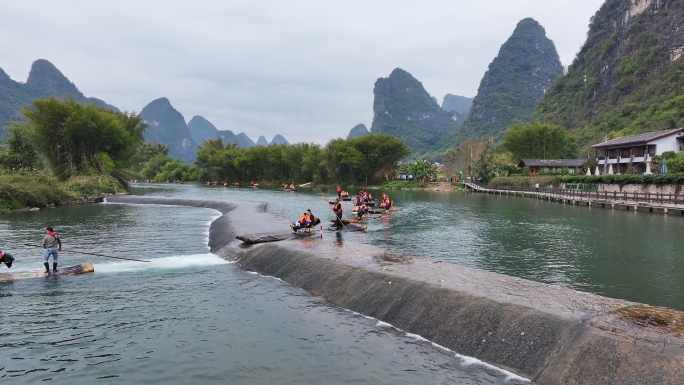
<point x="460" y="104"/>
<point x="166" y="125"/>
<point x="44" y="81"/>
<point x="368" y="158"/>
<point x="201" y="129"/>
<point x="514" y="84"/>
<point x="628" y="77"/>
<point x="358" y="130"/>
<point x="404" y="109"/>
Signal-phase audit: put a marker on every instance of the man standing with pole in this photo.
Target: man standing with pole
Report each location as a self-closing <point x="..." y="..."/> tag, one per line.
<point x="337" y="208"/>
<point x="52" y="245"/>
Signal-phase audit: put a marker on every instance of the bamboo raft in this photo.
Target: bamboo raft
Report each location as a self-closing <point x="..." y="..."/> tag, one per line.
<point x="254" y="239"/>
<point x="83" y="268"/>
<point x="357" y="220"/>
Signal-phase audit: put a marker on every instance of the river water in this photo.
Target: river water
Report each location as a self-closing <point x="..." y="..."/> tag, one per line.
<point x="619" y="254"/>
<point x="189" y="317"/>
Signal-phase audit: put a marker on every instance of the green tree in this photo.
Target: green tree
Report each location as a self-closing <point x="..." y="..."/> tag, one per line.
<point x="538" y="140"/>
<point x="484" y="166"/>
<point x="422" y="170"/>
<point x="77" y="139"/>
<point x="367" y="158"/>
<point x="21" y="151"/>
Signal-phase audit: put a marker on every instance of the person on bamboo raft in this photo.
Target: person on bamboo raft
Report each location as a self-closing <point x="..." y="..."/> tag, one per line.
<point x="6" y="258"/>
<point x="360" y="210"/>
<point x="337" y="208"/>
<point x="52" y="245"/>
<point x="339" y="192"/>
<point x="307" y="219"/>
<point x="386" y="203"/>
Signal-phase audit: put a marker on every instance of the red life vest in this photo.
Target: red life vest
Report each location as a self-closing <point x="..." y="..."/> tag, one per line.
<point x="337" y="208"/>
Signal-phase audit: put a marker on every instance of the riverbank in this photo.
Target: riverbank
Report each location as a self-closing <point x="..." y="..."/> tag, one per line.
<point x="543" y="332"/>
<point x="30" y="191"/>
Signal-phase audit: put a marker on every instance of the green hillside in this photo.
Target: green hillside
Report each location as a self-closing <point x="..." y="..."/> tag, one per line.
<point x="167" y="126"/>
<point x="44" y="80"/>
<point x="515" y="82"/>
<point x="402" y="107"/>
<point x="628" y="77"/>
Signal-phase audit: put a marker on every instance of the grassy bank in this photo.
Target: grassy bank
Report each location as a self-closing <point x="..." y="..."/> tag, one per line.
<point x="401" y="185"/>
<point x="18" y="191"/>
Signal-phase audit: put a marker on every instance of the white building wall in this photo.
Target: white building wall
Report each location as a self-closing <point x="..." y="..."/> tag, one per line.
<point x="668" y="143"/>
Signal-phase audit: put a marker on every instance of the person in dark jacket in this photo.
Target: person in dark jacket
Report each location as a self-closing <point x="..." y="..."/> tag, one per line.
<point x="6" y="258"/>
<point x="52" y="245"/>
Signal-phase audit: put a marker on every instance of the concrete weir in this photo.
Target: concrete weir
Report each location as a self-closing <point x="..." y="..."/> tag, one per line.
<point x="546" y="333"/>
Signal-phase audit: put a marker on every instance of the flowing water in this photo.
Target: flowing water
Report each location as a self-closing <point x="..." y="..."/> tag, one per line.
<point x="619" y="254"/>
<point x="189" y="317"/>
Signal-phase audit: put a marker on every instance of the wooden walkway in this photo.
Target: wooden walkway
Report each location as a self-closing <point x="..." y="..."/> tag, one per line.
<point x="669" y="204"/>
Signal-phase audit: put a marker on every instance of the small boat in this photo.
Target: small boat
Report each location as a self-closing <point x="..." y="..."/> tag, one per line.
<point x="85" y="267"/>
<point x="347" y="198"/>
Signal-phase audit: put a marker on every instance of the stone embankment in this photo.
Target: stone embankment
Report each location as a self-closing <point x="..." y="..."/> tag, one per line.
<point x="549" y="334"/>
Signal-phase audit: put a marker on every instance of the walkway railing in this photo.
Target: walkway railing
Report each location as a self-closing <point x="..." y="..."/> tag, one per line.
<point x="605" y="196"/>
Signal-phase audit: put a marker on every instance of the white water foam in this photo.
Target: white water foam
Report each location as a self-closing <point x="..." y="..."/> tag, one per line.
<point x="168" y="263"/>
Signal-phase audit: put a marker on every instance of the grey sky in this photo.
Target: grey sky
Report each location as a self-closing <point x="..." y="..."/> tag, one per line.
<point x="301" y="68"/>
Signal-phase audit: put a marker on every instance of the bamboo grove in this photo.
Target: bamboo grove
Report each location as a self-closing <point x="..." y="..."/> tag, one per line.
<point x="367" y="159"/>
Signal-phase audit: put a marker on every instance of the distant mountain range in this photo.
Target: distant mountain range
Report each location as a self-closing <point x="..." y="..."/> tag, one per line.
<point x="201" y="129"/>
<point x="44" y="80"/>
<point x="166" y="124"/>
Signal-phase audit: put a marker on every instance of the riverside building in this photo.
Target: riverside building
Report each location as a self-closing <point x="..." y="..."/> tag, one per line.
<point x="616" y="155"/>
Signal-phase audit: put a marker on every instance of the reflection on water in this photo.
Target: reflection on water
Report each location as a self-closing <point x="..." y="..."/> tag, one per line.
<point x="188" y="317"/>
<point x="618" y="254"/>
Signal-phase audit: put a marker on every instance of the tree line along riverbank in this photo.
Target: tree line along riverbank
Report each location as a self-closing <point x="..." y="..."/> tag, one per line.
<point x="64" y="150"/>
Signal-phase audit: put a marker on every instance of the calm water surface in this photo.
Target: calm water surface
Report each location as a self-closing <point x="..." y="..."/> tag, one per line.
<point x="188" y="317"/>
<point x="619" y="254"/>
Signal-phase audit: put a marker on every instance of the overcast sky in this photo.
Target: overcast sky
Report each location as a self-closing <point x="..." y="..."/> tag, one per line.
<point x="304" y="69"/>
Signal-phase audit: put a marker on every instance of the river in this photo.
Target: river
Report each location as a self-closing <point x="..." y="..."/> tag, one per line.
<point x="189" y="317"/>
<point x="619" y="254"/>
